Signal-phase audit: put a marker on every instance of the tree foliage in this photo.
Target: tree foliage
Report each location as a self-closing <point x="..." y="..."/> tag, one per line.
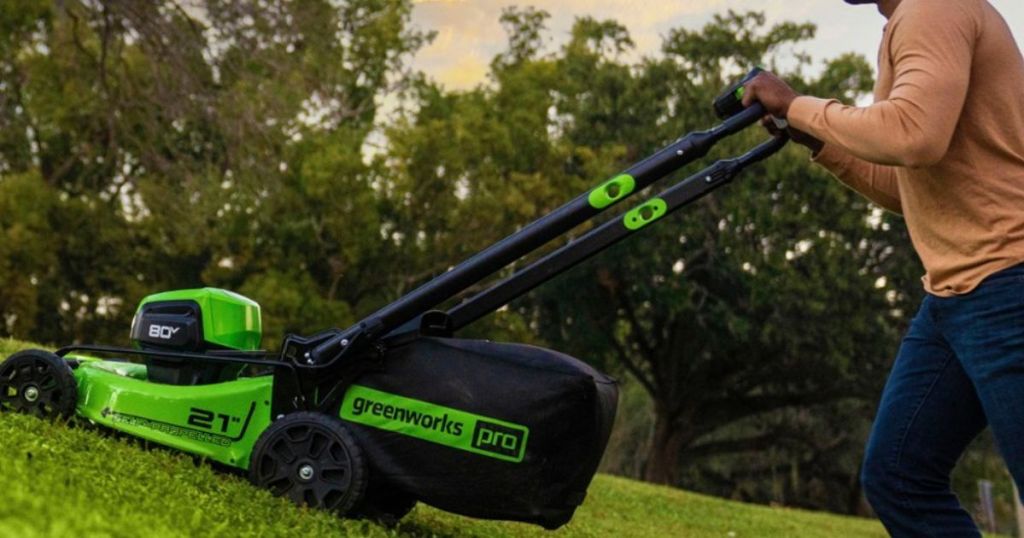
<point x="174" y="144"/>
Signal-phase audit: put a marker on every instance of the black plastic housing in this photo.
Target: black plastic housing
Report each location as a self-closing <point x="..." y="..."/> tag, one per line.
<point x="174" y="325"/>
<point x="177" y="326"/>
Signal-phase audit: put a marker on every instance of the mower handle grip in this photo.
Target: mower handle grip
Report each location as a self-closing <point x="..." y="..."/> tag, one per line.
<point x="740" y="120"/>
<point x="730" y="102"/>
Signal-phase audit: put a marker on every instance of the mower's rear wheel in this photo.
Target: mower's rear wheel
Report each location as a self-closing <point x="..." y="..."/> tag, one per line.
<point x="38" y="383"/>
<point x="313" y="460"/>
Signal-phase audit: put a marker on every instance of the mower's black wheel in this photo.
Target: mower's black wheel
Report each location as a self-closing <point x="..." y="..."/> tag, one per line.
<point x="313" y="460"/>
<point x="38" y="383"/>
<point x="384" y="505"/>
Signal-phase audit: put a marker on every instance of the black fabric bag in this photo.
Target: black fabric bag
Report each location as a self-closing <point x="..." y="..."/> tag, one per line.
<point x="484" y="429"/>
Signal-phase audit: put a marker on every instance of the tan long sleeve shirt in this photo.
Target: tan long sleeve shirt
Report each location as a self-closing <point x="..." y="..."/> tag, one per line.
<point x="944" y="142"/>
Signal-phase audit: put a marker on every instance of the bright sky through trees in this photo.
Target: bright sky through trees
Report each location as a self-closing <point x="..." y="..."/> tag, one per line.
<point x="469" y="34"/>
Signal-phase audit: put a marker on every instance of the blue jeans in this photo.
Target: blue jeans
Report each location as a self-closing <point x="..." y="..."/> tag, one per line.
<point x="960" y="368"/>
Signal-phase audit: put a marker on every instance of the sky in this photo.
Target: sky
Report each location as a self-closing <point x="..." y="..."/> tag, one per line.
<point x="469" y="34"/>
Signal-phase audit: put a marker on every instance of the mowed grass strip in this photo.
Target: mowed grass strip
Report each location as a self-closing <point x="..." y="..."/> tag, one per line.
<point x="60" y="480"/>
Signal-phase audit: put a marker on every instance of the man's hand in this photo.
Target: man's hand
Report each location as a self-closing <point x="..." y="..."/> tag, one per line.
<point x="776" y="96"/>
<point x="770" y="91"/>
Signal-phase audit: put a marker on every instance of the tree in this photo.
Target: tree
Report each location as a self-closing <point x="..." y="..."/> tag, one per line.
<point x="182" y="144"/>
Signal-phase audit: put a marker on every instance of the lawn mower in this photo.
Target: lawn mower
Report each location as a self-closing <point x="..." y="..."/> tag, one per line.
<point x="370" y="419"/>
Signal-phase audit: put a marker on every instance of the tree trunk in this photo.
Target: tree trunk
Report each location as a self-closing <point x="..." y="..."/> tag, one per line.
<point x="663" y="456"/>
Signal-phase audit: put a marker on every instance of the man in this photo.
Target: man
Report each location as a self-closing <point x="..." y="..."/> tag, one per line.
<point x="943" y="145"/>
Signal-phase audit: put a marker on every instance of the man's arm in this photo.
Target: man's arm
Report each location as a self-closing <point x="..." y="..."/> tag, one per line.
<point x="876" y="182"/>
<point x="932" y="50"/>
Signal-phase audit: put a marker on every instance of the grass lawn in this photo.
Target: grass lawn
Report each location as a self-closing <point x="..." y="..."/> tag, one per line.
<point x="64" y="481"/>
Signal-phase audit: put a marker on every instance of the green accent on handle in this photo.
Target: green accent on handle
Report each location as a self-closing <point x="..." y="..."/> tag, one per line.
<point x="645" y="214"/>
<point x="612" y="191"/>
<point x="435" y="423"/>
<point x="740" y="92"/>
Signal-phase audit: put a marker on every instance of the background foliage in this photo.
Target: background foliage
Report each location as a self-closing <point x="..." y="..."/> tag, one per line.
<point x="286" y="151"/>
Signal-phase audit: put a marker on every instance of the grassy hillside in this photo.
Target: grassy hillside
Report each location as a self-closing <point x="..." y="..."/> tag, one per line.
<point x="63" y="481"/>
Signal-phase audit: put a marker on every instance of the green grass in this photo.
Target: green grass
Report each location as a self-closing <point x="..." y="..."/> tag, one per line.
<point x="57" y="480"/>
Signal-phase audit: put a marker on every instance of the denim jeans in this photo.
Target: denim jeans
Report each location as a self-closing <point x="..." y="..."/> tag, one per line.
<point x="960" y="368"/>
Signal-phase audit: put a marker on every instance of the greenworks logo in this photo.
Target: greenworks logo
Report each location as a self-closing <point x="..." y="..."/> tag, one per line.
<point x="430" y="422"/>
<point x="435" y="423"/>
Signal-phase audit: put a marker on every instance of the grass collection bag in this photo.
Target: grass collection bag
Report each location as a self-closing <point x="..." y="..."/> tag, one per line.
<point x="484" y="429"/>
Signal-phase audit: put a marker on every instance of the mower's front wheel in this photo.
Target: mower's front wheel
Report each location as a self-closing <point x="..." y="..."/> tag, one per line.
<point x="38" y="383"/>
<point x="312" y="459"/>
